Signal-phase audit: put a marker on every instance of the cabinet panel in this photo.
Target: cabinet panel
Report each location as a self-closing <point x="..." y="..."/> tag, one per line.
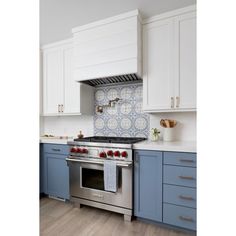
<point x="169" y="64"/>
<point x="41" y="170"/>
<point x="71" y="87"/>
<point x="62" y="94"/>
<point x="186" y="71"/>
<point x="148" y="185"/>
<point x="180" y="159"/>
<point x="178" y="175"/>
<point x="158" y="65"/>
<point x="52" y="81"/>
<point x="180" y="216"/>
<point x="57" y="176"/>
<point x="178" y="195"/>
<point x="56" y="149"/>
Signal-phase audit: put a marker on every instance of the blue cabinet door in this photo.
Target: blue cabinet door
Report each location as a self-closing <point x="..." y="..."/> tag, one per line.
<point x="57" y="176"/>
<point x="54" y="172"/>
<point x="41" y="168"/>
<point x="148" y="185"/>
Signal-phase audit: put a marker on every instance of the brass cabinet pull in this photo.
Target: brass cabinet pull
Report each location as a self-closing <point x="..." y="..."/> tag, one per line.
<point x="177" y="102"/>
<point x="186" y="218"/>
<point x="186" y="177"/>
<point x="172" y="102"/>
<point x="186" y="197"/>
<point x="186" y="160"/>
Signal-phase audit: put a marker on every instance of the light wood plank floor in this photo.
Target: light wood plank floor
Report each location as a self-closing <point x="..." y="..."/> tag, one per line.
<point x="62" y="219"/>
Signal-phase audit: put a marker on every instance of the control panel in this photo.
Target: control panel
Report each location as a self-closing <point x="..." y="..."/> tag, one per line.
<point x="98" y="152"/>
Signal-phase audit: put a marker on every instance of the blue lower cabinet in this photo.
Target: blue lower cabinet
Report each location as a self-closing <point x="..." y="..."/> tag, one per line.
<point x="179" y="195"/>
<point x="179" y="175"/>
<point x="148" y="185"/>
<point x="179" y="216"/>
<point x="56" y="149"/>
<point x="41" y="169"/>
<point x="57" y="176"/>
<point x="55" y="172"/>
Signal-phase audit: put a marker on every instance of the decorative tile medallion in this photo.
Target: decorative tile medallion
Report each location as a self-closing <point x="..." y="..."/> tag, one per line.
<point x="126" y="118"/>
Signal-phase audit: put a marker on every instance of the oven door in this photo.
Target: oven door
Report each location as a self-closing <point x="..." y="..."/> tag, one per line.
<point x="87" y="182"/>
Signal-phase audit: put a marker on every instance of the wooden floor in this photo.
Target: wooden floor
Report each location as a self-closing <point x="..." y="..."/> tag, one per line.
<point x="62" y="219"/>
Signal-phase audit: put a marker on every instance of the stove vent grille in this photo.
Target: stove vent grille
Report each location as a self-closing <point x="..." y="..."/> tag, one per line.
<point x="112" y="80"/>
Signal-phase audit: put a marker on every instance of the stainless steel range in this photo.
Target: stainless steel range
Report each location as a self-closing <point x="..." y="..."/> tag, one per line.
<point x="86" y="162"/>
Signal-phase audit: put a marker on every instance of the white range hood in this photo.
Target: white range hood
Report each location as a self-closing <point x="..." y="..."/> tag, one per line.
<point x="108" y="51"/>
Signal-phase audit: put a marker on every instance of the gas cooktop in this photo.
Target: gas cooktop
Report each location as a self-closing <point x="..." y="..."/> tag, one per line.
<point x="104" y="139"/>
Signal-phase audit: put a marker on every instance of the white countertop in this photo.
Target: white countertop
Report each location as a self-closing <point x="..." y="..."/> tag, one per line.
<point x="176" y="146"/>
<point x="55" y="140"/>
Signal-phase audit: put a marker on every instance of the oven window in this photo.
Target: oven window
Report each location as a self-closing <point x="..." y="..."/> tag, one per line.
<point x="92" y="178"/>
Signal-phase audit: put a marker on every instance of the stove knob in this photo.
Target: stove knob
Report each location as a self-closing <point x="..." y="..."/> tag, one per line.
<point x="110" y="153"/>
<point x="116" y="153"/>
<point x="102" y="154"/>
<point x="73" y="149"/>
<point x="124" y="154"/>
<point x="84" y="150"/>
<point x="78" y="150"/>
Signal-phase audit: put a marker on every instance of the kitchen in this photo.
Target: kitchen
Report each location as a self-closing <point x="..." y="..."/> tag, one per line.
<point x="62" y="201"/>
<point x="118" y="125"/>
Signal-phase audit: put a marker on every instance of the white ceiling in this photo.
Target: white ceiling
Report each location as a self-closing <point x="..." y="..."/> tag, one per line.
<point x="58" y="17"/>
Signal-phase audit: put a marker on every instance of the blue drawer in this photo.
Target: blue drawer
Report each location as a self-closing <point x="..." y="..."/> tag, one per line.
<point x="56" y="149"/>
<point x="180" y="159"/>
<point x="179" y="216"/>
<point x="177" y="175"/>
<point x="178" y="195"/>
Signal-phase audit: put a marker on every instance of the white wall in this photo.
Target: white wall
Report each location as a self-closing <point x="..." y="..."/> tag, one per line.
<point x="68" y="125"/>
<point x="57" y="18"/>
<point x="185" y="129"/>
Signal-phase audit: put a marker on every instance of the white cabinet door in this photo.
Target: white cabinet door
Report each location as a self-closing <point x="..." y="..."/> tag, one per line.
<point x="185" y="70"/>
<point x="62" y="95"/>
<point x="158" y="65"/>
<point x="52" y="81"/>
<point x="71" y="87"/>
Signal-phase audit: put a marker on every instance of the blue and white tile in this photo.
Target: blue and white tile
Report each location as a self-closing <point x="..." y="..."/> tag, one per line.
<point x="126" y="108"/>
<point x="125" y="123"/>
<point x="112" y="123"/>
<point x="99" y="95"/>
<point x="140" y="123"/>
<point x="112" y="94"/>
<point x="99" y="123"/>
<point x="126" y="93"/>
<point x="126" y="118"/>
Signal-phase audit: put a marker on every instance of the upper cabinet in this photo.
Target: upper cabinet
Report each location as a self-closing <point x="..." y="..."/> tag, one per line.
<point x="169" y="63"/>
<point x="185" y="62"/>
<point x="107" y="48"/>
<point x="61" y="94"/>
<point x="157" y="65"/>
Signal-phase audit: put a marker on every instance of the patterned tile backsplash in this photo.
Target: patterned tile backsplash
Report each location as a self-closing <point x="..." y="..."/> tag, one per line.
<point x="126" y="118"/>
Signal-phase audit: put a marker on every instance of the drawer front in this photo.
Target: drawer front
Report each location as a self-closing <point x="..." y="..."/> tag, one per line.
<point x="56" y="149"/>
<point x="177" y="195"/>
<point x="179" y="216"/>
<point x="180" y="159"/>
<point x="177" y="175"/>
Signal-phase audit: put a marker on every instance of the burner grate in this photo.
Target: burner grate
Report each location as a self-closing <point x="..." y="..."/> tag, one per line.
<point x="104" y="139"/>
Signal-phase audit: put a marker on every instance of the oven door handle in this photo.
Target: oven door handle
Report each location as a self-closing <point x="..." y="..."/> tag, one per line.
<point x="119" y="164"/>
